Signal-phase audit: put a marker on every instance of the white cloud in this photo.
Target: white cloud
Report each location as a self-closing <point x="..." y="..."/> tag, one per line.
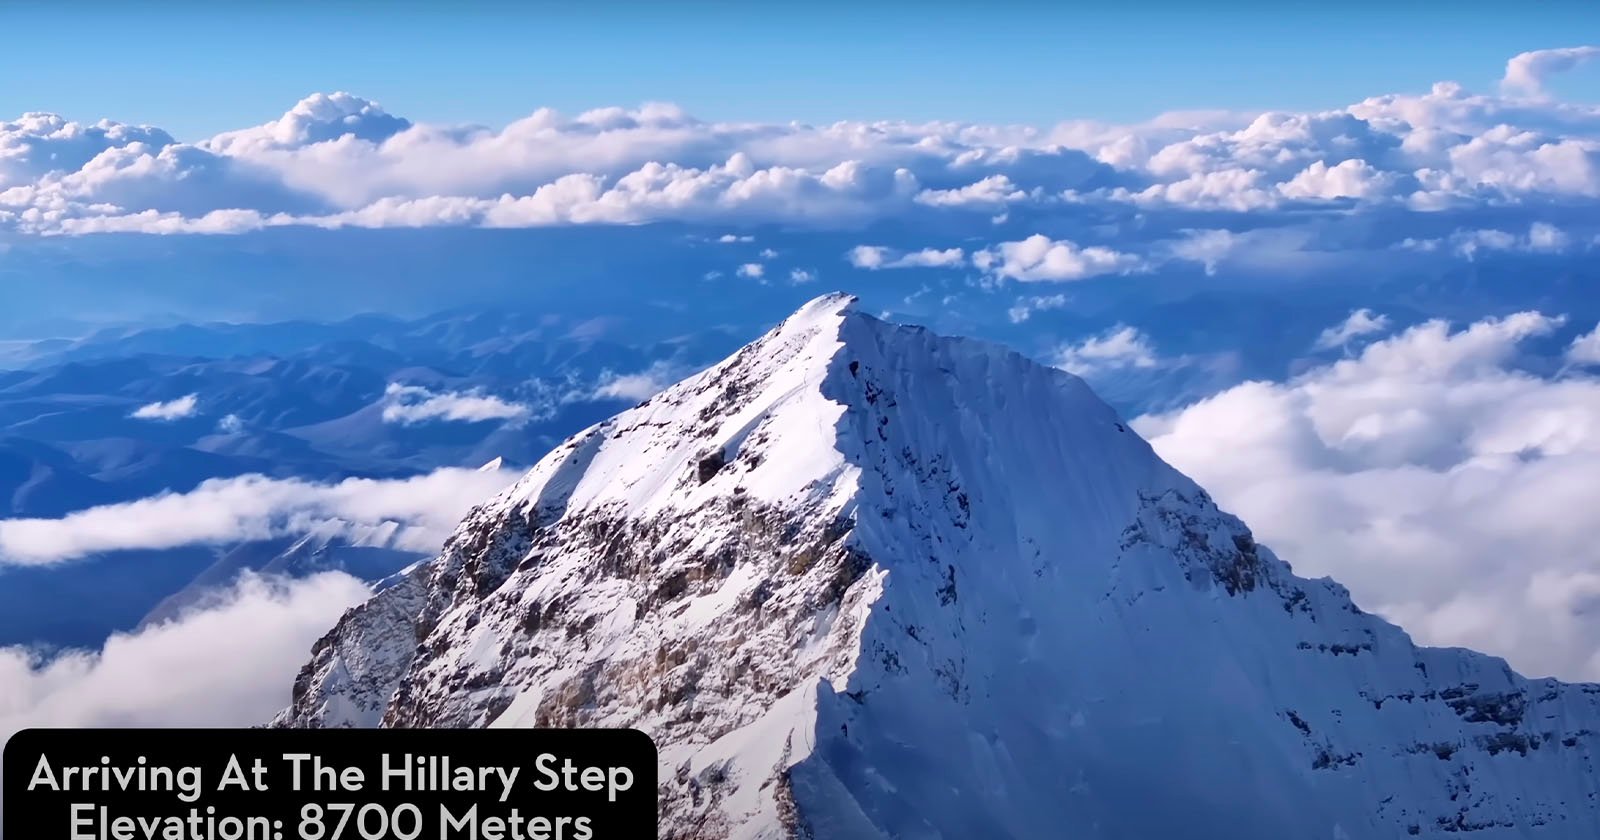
<point x="1121" y="347"/>
<point x="412" y="404"/>
<point x="1526" y="72"/>
<point x="754" y="271"/>
<point x="1024" y="308"/>
<point x="1469" y="243"/>
<point x="1360" y="323"/>
<point x="1516" y="162"/>
<point x="990" y="193"/>
<point x="338" y="160"/>
<point x="1585" y="349"/>
<point x="798" y="276"/>
<point x="1347" y="179"/>
<point x="1431" y="476"/>
<point x="158" y="223"/>
<point x="1207" y="247"/>
<point x="36" y="144"/>
<point x="412" y="513"/>
<point x="319" y="118"/>
<point x="177" y="409"/>
<point x="874" y="257"/>
<point x="1542" y="237"/>
<point x="230" y="424"/>
<point x="1274" y="251"/>
<point x="1040" y="258"/>
<point x="1228" y="189"/>
<point x="633" y="387"/>
<point x="229" y="665"/>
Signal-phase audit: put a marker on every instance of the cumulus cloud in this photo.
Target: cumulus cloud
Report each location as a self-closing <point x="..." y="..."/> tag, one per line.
<point x="412" y="404"/>
<point x="36" y="144"/>
<point x="1432" y="476"/>
<point x="1362" y="322"/>
<point x="319" y="118"/>
<point x="754" y="271"/>
<point x="1585" y="349"/>
<point x="1542" y="237"/>
<point x="337" y="160"/>
<point x="874" y="257"/>
<point x="1351" y="178"/>
<point x="993" y="192"/>
<point x="1121" y="347"/>
<point x="414" y="513"/>
<point x="184" y="406"/>
<point x="1526" y="72"/>
<point x="229" y="665"/>
<point x="1040" y="258"/>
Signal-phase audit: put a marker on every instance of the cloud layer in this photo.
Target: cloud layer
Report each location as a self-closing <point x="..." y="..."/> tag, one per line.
<point x="337" y="160"/>
<point x="412" y="513"/>
<point x="412" y="404"/>
<point x="229" y="665"/>
<point x="1443" y="484"/>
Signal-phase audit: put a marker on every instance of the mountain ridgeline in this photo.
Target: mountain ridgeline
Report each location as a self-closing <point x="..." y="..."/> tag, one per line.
<point x="862" y="581"/>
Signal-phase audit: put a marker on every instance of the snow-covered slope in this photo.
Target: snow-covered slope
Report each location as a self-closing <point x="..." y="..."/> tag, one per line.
<point x="859" y="580"/>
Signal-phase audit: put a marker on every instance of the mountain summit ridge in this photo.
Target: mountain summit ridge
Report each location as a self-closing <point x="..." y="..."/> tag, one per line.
<point x="860" y="580"/>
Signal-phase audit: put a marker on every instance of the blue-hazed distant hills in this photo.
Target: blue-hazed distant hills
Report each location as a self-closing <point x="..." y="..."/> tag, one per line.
<point x="127" y="414"/>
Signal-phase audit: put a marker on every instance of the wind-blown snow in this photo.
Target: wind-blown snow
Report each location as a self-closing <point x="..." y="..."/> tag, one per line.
<point x="860" y="580"/>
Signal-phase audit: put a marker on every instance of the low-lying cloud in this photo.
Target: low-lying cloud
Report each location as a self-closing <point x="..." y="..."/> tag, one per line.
<point x="231" y="664"/>
<point x="414" y="513"/>
<point x="633" y="387"/>
<point x="1429" y="473"/>
<point x="177" y="409"/>
<point x="1040" y="258"/>
<point x="412" y="404"/>
<point x="875" y="257"/>
<point x="1362" y="322"/>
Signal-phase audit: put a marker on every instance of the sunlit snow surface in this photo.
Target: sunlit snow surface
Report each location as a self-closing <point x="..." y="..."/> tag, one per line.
<point x="865" y="581"/>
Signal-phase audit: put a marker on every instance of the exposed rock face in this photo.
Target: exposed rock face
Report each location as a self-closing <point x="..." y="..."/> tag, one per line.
<point x="860" y="580"/>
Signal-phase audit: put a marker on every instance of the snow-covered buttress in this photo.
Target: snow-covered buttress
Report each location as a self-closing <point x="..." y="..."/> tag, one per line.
<point x="862" y="581"/>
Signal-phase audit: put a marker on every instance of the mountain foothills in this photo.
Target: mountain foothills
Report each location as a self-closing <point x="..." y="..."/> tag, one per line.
<point x="859" y="580"/>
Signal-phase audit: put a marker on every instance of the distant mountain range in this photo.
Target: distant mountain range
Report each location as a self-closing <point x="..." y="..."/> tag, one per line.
<point x="127" y="414"/>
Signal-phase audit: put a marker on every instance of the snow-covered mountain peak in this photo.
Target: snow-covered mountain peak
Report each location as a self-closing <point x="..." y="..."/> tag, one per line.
<point x="860" y="580"/>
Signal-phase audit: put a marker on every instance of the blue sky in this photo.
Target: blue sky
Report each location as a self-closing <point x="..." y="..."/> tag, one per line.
<point x="196" y="70"/>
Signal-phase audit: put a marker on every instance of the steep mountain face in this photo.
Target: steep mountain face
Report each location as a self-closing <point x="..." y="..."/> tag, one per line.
<point x="862" y="581"/>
